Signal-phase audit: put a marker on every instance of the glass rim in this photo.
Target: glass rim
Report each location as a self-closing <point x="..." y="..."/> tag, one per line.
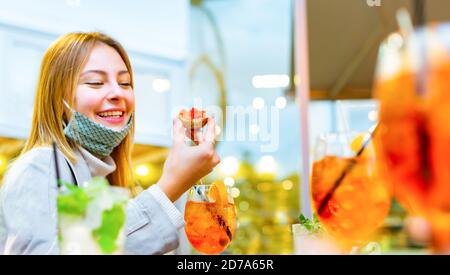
<point x="203" y="186"/>
<point x="339" y="135"/>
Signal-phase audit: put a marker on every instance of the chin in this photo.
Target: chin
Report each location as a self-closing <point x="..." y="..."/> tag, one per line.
<point x="117" y="128"/>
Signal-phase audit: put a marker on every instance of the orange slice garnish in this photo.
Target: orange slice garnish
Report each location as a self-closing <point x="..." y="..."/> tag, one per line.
<point x="218" y="193"/>
<point x="357" y="144"/>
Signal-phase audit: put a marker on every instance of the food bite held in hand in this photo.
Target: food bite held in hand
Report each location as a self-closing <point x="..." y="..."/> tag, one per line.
<point x="193" y="120"/>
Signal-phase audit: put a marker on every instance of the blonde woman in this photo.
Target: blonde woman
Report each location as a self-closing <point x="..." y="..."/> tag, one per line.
<point x="85" y="103"/>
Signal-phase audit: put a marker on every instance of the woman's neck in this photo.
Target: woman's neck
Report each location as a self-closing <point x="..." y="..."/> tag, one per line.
<point x="99" y="167"/>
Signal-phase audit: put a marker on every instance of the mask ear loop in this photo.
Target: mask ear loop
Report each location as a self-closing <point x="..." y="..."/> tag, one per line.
<point x="131" y="119"/>
<point x="68" y="107"/>
<point x="71" y="120"/>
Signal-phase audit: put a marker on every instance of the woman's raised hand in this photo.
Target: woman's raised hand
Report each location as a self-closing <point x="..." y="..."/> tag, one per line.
<point x="186" y="165"/>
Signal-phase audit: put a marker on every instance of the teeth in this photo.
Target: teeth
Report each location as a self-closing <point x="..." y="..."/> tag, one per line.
<point x="115" y="114"/>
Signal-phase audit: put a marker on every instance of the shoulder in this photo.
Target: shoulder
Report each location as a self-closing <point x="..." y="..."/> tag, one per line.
<point x="28" y="203"/>
<point x="36" y="156"/>
<point x="37" y="159"/>
<point x="32" y="169"/>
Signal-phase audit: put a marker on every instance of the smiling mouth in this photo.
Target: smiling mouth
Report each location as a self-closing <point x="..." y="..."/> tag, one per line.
<point x="113" y="114"/>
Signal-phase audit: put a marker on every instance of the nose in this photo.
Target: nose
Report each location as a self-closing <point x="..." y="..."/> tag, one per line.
<point x="116" y="92"/>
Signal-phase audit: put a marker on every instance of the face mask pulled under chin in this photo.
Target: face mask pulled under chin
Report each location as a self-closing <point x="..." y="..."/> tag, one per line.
<point x="92" y="136"/>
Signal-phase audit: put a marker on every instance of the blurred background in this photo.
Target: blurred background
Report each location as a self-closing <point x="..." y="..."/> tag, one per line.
<point x="221" y="53"/>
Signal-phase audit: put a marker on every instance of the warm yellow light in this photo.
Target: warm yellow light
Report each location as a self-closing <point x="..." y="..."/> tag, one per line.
<point x="287" y="184"/>
<point x="147" y="174"/>
<point x="244" y="205"/>
<point x="267" y="165"/>
<point x="297" y="80"/>
<point x="3" y="163"/>
<point x="142" y="170"/>
<point x="264" y="187"/>
<point x="229" y="181"/>
<point x="229" y="166"/>
<point x="235" y="192"/>
<point x="281" y="217"/>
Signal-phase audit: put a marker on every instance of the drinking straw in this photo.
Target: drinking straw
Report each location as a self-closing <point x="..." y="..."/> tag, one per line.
<point x="55" y="157"/>
<point x="404" y="22"/>
<point x="344" y="120"/>
<point x="413" y="47"/>
<point x="406" y="28"/>
<point x="346" y="171"/>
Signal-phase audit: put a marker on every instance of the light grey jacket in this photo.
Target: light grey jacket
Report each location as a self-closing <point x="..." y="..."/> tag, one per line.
<point x="28" y="216"/>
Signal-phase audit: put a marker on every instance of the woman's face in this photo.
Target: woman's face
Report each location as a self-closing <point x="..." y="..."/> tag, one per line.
<point x="104" y="92"/>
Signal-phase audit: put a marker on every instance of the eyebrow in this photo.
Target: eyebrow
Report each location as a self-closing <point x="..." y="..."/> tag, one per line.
<point x="103" y="72"/>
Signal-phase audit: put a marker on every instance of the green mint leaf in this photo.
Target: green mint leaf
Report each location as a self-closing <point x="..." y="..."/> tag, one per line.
<point x="305" y="222"/>
<point x="302" y="219"/>
<point x="73" y="202"/>
<point x="313" y="225"/>
<point x="108" y="232"/>
<point x="315" y="219"/>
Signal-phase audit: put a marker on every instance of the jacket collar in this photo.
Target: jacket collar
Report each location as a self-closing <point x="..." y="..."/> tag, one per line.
<point x="89" y="166"/>
<point x="98" y="167"/>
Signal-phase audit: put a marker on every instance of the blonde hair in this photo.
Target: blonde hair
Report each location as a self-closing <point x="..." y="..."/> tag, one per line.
<point x="60" y="70"/>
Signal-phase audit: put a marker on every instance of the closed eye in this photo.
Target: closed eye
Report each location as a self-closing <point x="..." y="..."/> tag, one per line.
<point x="94" y="83"/>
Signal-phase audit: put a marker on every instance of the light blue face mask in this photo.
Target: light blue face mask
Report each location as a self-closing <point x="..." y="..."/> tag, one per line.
<point x="94" y="137"/>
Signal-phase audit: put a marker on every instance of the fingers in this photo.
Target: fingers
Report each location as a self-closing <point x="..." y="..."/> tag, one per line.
<point x="178" y="132"/>
<point x="210" y="135"/>
<point x="216" y="159"/>
<point x="195" y="135"/>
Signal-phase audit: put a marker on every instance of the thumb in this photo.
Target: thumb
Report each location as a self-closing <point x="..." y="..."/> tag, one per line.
<point x="178" y="132"/>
